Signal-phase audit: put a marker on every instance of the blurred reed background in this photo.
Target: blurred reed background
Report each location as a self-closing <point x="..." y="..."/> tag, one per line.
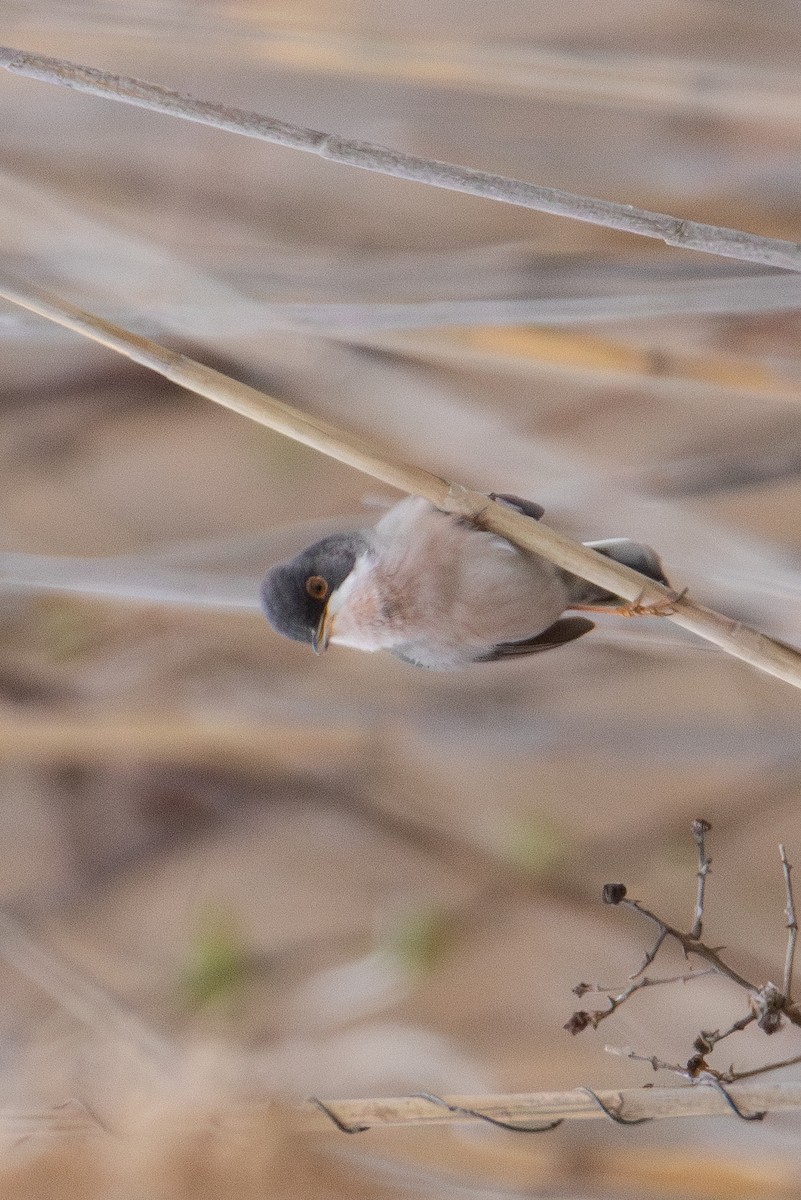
<point x="288" y="875"/>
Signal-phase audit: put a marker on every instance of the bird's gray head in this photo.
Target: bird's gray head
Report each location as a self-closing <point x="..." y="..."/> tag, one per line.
<point x="295" y="594"/>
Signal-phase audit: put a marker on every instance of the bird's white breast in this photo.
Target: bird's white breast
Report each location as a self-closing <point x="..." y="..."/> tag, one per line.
<point x="443" y="591"/>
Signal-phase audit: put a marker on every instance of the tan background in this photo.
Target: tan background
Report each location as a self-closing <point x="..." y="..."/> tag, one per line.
<point x="343" y="876"/>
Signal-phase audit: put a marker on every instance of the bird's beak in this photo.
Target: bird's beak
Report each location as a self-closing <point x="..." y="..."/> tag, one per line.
<point x="322" y="634"/>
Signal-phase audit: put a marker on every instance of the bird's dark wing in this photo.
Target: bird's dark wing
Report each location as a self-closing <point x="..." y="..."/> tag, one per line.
<point x="527" y="507"/>
<point x="565" y="630"/>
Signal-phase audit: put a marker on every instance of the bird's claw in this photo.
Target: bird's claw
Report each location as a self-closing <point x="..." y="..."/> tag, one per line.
<point x="658" y="608"/>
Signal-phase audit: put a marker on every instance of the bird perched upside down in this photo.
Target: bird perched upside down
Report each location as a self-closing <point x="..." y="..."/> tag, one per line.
<point x="438" y="592"/>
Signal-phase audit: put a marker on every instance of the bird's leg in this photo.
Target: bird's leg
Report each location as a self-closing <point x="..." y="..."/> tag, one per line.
<point x="636" y="608"/>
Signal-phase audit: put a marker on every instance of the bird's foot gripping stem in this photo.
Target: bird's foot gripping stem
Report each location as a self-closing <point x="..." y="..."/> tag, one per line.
<point x="636" y="608"/>
<point x="661" y="608"/>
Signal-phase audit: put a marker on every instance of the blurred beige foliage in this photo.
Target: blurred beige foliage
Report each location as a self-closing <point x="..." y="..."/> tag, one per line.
<point x="341" y="876"/>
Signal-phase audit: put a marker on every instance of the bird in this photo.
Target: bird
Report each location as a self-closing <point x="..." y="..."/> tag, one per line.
<point x="436" y="591"/>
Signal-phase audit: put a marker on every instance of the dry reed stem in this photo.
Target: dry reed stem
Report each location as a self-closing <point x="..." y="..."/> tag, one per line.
<point x="521" y="350"/>
<point x="219" y="1151"/>
<point x="657" y="1103"/>
<point x="697" y="1100"/>
<point x="297" y="748"/>
<point x="773" y="657"/>
<point x="674" y="231"/>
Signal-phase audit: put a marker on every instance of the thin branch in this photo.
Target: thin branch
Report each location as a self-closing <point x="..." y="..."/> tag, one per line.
<point x="584" y="989"/>
<point x="792" y="927"/>
<point x="615" y="895"/>
<point x="707" y="1040"/>
<point x="773" y="657"/>
<point x="622" y="995"/>
<point x="769" y="1006"/>
<point x="657" y="1064"/>
<point x="650" y="955"/>
<point x="697" y="1072"/>
<point x="700" y="828"/>
<point x="691" y="946"/>
<point x="733" y="1076"/>
<point x="675" y="231"/>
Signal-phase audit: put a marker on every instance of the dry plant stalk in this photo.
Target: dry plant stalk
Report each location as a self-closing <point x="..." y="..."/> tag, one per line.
<point x="768" y="1005"/>
<point x="293" y="747"/>
<point x="524" y="1112"/>
<point x="674" y="231"/>
<point x="773" y="657"/>
<point x="536" y="1112"/>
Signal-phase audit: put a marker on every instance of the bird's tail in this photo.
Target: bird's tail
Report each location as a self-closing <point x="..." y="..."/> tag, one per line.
<point x="631" y="554"/>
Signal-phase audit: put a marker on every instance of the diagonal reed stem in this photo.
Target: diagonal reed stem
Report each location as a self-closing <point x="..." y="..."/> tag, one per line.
<point x="736" y="639"/>
<point x="674" y="231"/>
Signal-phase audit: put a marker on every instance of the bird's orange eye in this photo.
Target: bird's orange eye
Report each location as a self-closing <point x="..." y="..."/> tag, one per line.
<point x="317" y="587"/>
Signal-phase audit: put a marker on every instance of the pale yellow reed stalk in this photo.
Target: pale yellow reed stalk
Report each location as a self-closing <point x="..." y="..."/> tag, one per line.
<point x="292" y="747"/>
<point x="692" y="1100"/>
<point x="736" y="639"/>
<point x="526" y="1108"/>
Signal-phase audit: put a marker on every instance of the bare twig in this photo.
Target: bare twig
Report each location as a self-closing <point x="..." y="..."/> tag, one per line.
<point x="792" y="927"/>
<point x="675" y="231"/>
<point x="773" y="657"/>
<point x="695" y="1071"/>
<point x="700" y="827"/>
<point x="657" y="1064"/>
<point x="708" y="1039"/>
<point x="768" y="1001"/>
<point x="732" y="1076"/>
<point x="620" y="996"/>
<point x="769" y="1005"/>
<point x="650" y="955"/>
<point x="691" y="945"/>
